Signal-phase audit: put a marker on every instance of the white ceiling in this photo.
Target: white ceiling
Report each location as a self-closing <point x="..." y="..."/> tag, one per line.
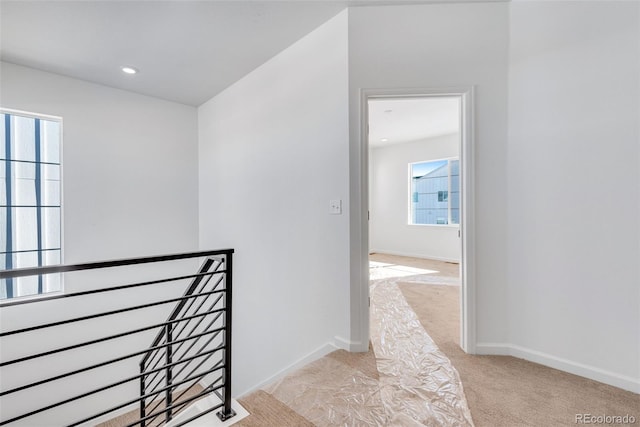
<point x="412" y="119"/>
<point x="186" y="51"/>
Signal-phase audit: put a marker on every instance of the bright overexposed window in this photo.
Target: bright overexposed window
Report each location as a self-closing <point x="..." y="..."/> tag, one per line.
<point x="30" y="201"/>
<point x="435" y="192"/>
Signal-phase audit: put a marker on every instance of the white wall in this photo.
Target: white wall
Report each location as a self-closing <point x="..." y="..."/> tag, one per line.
<point x="130" y="189"/>
<point x="130" y="179"/>
<point x="273" y="152"/>
<point x="574" y="236"/>
<point x="433" y="46"/>
<point x="389" y="230"/>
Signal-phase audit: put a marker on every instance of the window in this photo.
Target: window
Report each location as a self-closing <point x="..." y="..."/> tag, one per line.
<point x="30" y="201"/>
<point x="435" y="192"/>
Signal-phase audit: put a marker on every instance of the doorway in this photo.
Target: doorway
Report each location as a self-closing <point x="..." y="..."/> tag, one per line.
<point x="418" y="163"/>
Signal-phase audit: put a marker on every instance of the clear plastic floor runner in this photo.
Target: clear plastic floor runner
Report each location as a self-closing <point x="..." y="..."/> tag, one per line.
<point x="417" y="381"/>
<point x="417" y="384"/>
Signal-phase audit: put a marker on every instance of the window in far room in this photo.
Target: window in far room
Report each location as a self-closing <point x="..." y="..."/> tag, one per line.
<point x="30" y="201"/>
<point x="435" y="192"/>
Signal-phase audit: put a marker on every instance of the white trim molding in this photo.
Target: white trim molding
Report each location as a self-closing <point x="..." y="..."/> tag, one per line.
<point x="570" y="366"/>
<point x="352" y="346"/>
<point x="311" y="357"/>
<point x="360" y="285"/>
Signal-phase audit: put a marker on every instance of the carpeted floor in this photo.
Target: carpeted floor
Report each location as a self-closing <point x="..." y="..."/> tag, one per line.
<point x="500" y="390"/>
<point x="503" y="390"/>
<point x="268" y="409"/>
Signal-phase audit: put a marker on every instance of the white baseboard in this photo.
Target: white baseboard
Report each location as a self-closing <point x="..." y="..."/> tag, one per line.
<point x="352" y="346"/>
<point x="576" y="368"/>
<point x="493" y="349"/>
<point x="413" y="255"/>
<point x="314" y="355"/>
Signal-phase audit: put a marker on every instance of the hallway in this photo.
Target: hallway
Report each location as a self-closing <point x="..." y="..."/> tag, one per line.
<point x="345" y="388"/>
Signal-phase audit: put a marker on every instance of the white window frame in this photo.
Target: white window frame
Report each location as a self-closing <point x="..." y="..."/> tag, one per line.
<point x="410" y="219"/>
<point x="59" y="120"/>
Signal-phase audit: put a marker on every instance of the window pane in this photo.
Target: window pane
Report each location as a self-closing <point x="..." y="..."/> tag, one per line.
<point x="25" y="229"/>
<point x="3" y="134"/>
<point x="3" y="231"/>
<point x="3" y="192"/>
<point x="52" y="282"/>
<point x="3" y="182"/>
<point x="455" y="191"/>
<point x="26" y="286"/>
<point x="430" y="192"/>
<point x="24" y="176"/>
<point x="51" y="257"/>
<point x="50" y="147"/>
<point x="51" y="228"/>
<point x="25" y="259"/>
<point x="3" y="288"/>
<point x="24" y="138"/>
<point x="51" y="185"/>
<point x="455" y="216"/>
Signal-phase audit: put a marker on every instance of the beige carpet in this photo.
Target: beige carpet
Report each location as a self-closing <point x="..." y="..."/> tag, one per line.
<point x="315" y="383"/>
<point x="503" y="390"/>
<point x="500" y="390"/>
<point x="266" y="410"/>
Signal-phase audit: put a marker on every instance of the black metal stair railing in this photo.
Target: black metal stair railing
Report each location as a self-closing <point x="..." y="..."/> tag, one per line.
<point x="189" y="359"/>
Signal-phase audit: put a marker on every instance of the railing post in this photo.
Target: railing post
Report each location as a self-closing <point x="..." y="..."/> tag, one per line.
<point x="169" y="374"/>
<point x="226" y="411"/>
<point x="143" y="405"/>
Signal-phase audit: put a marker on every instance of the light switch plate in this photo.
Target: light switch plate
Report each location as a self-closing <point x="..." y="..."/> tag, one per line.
<point x="335" y="207"/>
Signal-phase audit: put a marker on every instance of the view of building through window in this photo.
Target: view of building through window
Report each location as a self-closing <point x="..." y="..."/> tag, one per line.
<point x="30" y="201"/>
<point x="435" y="192"/>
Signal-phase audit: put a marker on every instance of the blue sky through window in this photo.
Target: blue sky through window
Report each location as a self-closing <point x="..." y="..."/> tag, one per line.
<point x="421" y="169"/>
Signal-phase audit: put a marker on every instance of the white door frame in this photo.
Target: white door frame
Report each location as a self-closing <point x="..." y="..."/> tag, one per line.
<point x="467" y="229"/>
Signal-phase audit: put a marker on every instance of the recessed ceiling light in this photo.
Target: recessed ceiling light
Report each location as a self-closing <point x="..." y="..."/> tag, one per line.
<point x="129" y="70"/>
<point x="384" y="139"/>
<point x="388" y="111"/>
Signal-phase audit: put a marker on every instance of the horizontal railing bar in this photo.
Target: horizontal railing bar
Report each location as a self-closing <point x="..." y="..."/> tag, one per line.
<point x="106" y="313"/>
<point x="107" y="387"/>
<point x="153" y="415"/>
<point x="108" y="362"/>
<point x="31" y="206"/>
<point x="113" y="288"/>
<point x="30" y="250"/>
<point x="149" y="358"/>
<point x="122" y="405"/>
<point x="220" y="363"/>
<point x="199" y="350"/>
<point x="187" y="389"/>
<point x="152" y="383"/>
<point x="86" y="343"/>
<point x="190" y="290"/>
<point x="184" y="326"/>
<point x="208" y="263"/>
<point x="21" y="272"/>
<point x="30" y="161"/>
<point x="215" y="333"/>
<point x="197" y="309"/>
<point x="192" y="398"/>
<point x="218" y="330"/>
